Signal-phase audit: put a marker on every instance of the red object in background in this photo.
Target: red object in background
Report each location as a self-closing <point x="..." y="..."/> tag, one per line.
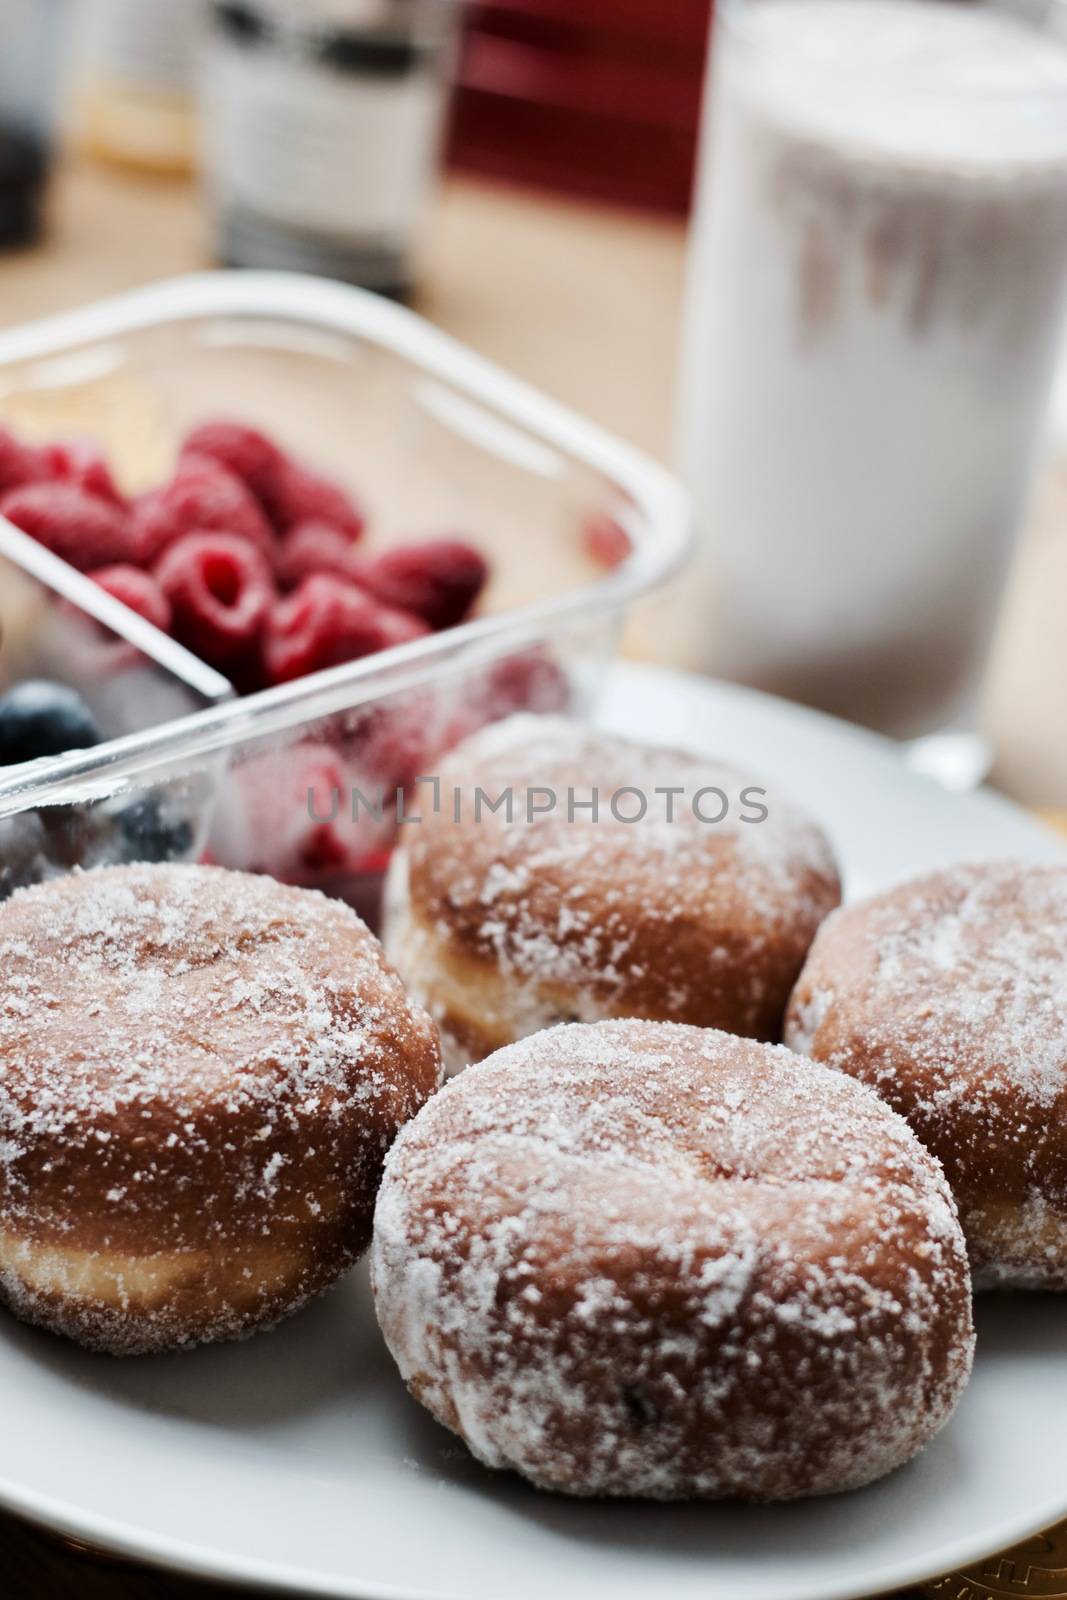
<point x="593" y="97"/>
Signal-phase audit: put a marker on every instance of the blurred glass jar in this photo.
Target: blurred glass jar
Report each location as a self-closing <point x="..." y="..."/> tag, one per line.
<point x="134" y="81"/>
<point x="322" y="132"/>
<point x="32" y="32"/>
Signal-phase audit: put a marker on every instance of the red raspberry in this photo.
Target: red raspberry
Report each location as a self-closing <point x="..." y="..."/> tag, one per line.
<point x="606" y="541"/>
<point x="326" y="621"/>
<point x="220" y="590"/>
<point x="438" y="580"/>
<point x="19" y="463"/>
<point x="290" y="813"/>
<point x="138" y="590"/>
<point x="81" y="462"/>
<point x="201" y="497"/>
<point x="322" y="785"/>
<point x="244" y="451"/>
<point x="528" y="681"/>
<point x="302" y="496"/>
<point x="390" y="744"/>
<point x="85" y="531"/>
<point x="311" y="547"/>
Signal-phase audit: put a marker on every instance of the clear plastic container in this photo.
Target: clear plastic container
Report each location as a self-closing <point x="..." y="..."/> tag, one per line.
<point x="57" y="625"/>
<point x="310" y="781"/>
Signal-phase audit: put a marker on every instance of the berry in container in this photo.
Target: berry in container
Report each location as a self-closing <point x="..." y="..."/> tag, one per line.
<point x="79" y="669"/>
<point x="369" y="541"/>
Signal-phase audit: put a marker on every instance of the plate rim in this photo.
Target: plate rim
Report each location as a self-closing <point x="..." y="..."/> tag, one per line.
<point x="111" y="1536"/>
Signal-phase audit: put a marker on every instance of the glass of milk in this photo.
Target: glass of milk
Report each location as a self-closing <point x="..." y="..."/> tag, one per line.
<point x="876" y="287"/>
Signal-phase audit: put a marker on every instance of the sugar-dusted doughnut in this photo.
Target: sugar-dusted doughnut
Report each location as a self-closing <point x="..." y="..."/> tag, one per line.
<point x="949" y="995"/>
<point x="509" y="920"/>
<point x="646" y="1259"/>
<point x="200" y="1075"/>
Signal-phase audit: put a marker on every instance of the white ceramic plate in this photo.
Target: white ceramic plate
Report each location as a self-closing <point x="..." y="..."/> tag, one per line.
<point x="297" y="1461"/>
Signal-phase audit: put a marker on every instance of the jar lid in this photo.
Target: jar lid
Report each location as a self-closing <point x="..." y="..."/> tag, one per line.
<point x="363" y="37"/>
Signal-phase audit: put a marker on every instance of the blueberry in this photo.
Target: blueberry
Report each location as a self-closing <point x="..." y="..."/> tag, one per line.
<point x="38" y="718"/>
<point x="152" y="832"/>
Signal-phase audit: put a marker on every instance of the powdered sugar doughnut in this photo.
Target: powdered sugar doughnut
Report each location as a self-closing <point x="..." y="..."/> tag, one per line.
<point x="645" y="1259"/>
<point x="200" y="1074"/>
<point x="949" y="996"/>
<point x="503" y="927"/>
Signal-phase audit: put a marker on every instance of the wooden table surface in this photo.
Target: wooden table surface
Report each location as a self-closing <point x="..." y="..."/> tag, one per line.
<point x="584" y="303"/>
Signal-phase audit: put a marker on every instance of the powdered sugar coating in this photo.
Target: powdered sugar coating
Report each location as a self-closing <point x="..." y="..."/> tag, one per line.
<point x="645" y="1259"/>
<point x="949" y="995"/>
<point x="200" y="1073"/>
<point x="501" y="927"/>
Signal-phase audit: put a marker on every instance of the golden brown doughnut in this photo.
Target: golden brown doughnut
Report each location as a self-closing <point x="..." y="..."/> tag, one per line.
<point x="200" y="1074"/>
<point x="645" y="1259"/>
<point x="501" y="928"/>
<point x="949" y="996"/>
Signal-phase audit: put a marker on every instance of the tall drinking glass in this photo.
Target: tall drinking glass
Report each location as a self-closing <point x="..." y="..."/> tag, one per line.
<point x="876" y="288"/>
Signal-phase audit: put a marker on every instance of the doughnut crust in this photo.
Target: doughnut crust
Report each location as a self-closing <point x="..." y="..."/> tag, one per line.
<point x="200" y="1074"/>
<point x="645" y="1259"/>
<point x="949" y="996"/>
<point x="502" y="927"/>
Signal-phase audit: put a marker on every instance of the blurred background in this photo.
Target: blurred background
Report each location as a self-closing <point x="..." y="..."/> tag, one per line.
<point x="522" y="172"/>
